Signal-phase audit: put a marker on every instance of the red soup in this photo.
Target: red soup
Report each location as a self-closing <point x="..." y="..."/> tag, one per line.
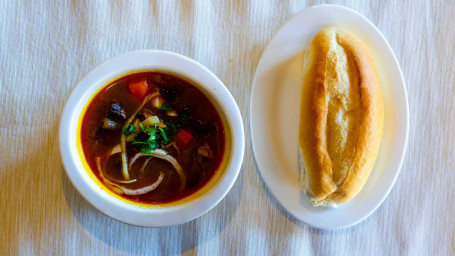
<point x="152" y="137"/>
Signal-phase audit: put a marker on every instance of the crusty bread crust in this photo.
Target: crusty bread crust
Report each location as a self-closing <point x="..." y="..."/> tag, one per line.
<point x="342" y="117"/>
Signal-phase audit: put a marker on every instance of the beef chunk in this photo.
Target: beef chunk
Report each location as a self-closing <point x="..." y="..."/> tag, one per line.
<point x="115" y="111"/>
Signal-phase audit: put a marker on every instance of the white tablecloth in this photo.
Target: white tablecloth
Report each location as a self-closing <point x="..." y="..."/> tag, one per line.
<point x="47" y="46"/>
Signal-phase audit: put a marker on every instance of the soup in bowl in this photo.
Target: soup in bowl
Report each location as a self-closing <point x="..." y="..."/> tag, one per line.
<point x="152" y="138"/>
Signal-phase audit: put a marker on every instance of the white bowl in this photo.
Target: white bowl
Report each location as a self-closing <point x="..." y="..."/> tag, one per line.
<point x="140" y="214"/>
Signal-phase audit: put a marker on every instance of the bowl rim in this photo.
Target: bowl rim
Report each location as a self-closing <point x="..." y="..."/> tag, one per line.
<point x="140" y="61"/>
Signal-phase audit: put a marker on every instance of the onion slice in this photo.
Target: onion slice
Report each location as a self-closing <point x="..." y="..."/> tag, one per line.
<point x="132" y="192"/>
<point x="135" y="157"/>
<point x="143" y="190"/>
<point x="144" y="164"/>
<point x="116" y="149"/>
<point x="125" y="173"/>
<point x="108" y="178"/>
<point x="159" y="154"/>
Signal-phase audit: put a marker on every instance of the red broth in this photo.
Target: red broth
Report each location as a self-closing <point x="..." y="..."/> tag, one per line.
<point x="188" y="129"/>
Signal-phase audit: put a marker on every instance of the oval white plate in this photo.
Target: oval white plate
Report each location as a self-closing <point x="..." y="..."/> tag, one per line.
<point x="275" y="106"/>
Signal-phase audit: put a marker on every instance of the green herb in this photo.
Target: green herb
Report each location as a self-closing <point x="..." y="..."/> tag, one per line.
<point x="146" y="150"/>
<point x="150" y="129"/>
<point x="153" y="144"/>
<point x="171" y="128"/>
<point x="141" y="136"/>
<point x="150" y="138"/>
<point x="128" y="130"/>
<point x="140" y="143"/>
<point x="163" y="134"/>
<point x="165" y="107"/>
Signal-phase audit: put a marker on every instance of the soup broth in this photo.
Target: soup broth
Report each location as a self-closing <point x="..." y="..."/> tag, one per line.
<point x="152" y="137"/>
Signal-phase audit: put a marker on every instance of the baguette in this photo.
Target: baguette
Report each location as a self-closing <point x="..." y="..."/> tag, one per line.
<point x="341" y="119"/>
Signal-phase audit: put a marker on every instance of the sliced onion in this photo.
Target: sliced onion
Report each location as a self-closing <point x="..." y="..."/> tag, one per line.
<point x="116" y="149"/>
<point x="143" y="190"/>
<point x="151" y="120"/>
<point x="109" y="179"/>
<point x="158" y="102"/>
<point x="171" y="113"/>
<point x="122" y="190"/>
<point x="145" y="164"/>
<point x="159" y="154"/>
<point x="172" y="144"/>
<point x="125" y="172"/>
<point x="135" y="157"/>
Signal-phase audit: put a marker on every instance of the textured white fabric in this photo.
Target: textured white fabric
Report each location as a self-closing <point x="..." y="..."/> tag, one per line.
<point x="47" y="46"/>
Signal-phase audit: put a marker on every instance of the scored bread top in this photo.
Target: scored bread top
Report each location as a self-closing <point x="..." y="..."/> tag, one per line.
<point x="342" y="116"/>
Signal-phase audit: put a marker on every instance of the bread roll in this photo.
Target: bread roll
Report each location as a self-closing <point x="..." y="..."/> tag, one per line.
<point x="342" y="117"/>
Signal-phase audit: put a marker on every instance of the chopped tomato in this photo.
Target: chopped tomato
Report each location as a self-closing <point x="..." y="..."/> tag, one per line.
<point x="182" y="138"/>
<point x="139" y="88"/>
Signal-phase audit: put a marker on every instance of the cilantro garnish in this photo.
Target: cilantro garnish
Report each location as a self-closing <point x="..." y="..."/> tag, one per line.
<point x="166" y="107"/>
<point x="128" y="130"/>
<point x="149" y="138"/>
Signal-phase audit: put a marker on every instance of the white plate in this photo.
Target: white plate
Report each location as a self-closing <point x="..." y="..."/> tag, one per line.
<point x="275" y="106"/>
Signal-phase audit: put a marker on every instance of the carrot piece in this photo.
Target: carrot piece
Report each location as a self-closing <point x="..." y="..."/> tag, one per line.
<point x="182" y="138"/>
<point x="139" y="88"/>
